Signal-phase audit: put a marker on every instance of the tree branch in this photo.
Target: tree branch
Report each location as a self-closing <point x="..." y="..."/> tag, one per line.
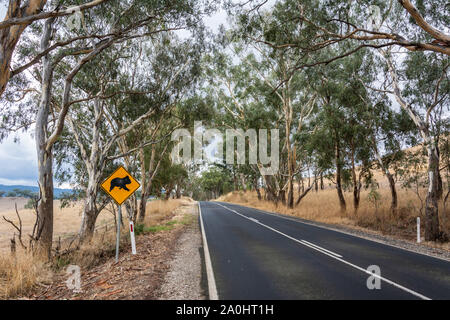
<point x="50" y="14"/>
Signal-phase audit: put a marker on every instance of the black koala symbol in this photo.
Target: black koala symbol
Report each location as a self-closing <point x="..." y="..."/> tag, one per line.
<point x="120" y="183"/>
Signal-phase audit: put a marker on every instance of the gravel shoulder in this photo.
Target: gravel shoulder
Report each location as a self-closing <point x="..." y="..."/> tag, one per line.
<point x="184" y="280"/>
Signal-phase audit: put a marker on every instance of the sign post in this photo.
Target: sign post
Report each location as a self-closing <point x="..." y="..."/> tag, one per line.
<point x="119" y="219"/>
<point x="120" y="186"/>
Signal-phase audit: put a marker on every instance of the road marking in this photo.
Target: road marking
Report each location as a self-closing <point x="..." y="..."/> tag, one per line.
<point x="315" y="245"/>
<point x="303" y="242"/>
<point x="212" y="289"/>
<point x="421" y="296"/>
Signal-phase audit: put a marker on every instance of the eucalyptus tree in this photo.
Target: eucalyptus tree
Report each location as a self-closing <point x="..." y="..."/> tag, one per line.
<point x="391" y="130"/>
<point x="215" y="181"/>
<point x="133" y="110"/>
<point x="350" y="26"/>
<point x="331" y="30"/>
<point x="19" y="16"/>
<point x="152" y="159"/>
<point x="123" y="21"/>
<point x="240" y="102"/>
<point x="425" y="99"/>
<point x="282" y="90"/>
<point x="351" y="94"/>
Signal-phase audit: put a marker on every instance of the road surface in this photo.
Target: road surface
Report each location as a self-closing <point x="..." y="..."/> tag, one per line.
<point x="251" y="254"/>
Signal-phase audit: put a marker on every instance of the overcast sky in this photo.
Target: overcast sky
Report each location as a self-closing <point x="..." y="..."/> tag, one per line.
<point x="18" y="160"/>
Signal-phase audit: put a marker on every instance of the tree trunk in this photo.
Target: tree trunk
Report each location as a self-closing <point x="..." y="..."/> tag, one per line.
<point x="282" y="196"/>
<point x="244" y="184"/>
<point x="45" y="153"/>
<point x="90" y="213"/>
<point x="393" y="193"/>
<point x="290" y="193"/>
<point x="143" y="202"/>
<point x="389" y="176"/>
<point x="151" y="174"/>
<point x="290" y="190"/>
<point x="301" y="196"/>
<point x="168" y="192"/>
<point x="356" y="186"/>
<point x="342" y="204"/>
<point x="440" y="191"/>
<point x="431" y="202"/>
<point x="270" y="194"/>
<point x="321" y="181"/>
<point x="178" y="191"/>
<point x="45" y="204"/>
<point x="88" y="221"/>
<point x="316" y="184"/>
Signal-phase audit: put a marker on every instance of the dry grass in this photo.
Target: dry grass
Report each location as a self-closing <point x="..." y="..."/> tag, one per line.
<point x="66" y="221"/>
<point x="20" y="273"/>
<point x="102" y="246"/>
<point x="323" y="206"/>
<point x="159" y="210"/>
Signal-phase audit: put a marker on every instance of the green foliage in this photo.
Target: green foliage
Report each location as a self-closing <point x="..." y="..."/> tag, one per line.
<point x="169" y="225"/>
<point x="30" y="204"/>
<point x="215" y="181"/>
<point x="139" y="229"/>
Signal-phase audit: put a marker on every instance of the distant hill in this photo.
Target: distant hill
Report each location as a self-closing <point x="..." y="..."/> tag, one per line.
<point x="56" y="192"/>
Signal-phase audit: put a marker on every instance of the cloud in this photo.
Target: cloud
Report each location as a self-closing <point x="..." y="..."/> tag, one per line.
<point x="18" y="161"/>
<point x="3" y="8"/>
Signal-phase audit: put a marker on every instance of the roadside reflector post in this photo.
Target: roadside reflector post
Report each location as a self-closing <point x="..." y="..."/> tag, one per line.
<point x="418" y="229"/>
<point x="119" y="220"/>
<point x="133" y="241"/>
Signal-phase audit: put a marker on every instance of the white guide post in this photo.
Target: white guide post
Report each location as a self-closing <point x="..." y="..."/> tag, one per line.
<point x="418" y="229"/>
<point x="133" y="241"/>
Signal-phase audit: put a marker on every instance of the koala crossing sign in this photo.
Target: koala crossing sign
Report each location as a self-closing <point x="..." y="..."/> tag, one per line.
<point x="120" y="185"/>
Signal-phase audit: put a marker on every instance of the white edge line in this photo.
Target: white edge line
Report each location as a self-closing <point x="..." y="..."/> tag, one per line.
<point x="212" y="289"/>
<point x="421" y="296"/>
<point x="316" y="224"/>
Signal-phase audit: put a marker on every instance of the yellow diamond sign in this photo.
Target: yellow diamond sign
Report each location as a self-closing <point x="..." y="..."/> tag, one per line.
<point x="120" y="185"/>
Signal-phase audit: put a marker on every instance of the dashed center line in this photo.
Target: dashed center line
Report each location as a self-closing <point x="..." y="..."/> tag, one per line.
<point x="320" y="248"/>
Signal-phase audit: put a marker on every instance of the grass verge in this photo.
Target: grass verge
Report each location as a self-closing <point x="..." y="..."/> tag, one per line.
<point x="22" y="272"/>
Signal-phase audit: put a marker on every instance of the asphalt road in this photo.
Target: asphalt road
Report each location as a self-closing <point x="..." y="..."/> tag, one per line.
<point x="257" y="255"/>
